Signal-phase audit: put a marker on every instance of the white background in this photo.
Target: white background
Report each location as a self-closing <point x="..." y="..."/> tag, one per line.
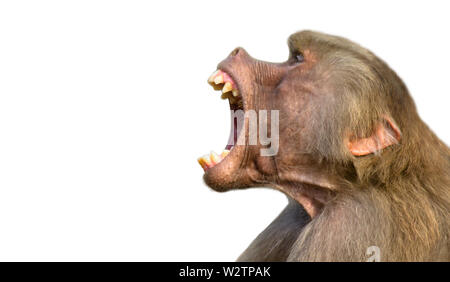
<point x="104" y="108"/>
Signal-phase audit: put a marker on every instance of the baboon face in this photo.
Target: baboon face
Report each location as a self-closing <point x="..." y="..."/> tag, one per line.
<point x="346" y="146"/>
<point x="323" y="98"/>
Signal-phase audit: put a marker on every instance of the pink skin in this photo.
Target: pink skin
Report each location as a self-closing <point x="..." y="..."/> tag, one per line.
<point x="226" y="78"/>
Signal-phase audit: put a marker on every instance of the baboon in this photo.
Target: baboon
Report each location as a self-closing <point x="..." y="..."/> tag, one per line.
<point x="358" y="165"/>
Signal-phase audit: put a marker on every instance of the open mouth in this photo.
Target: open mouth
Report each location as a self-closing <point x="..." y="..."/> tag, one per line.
<point x="222" y="81"/>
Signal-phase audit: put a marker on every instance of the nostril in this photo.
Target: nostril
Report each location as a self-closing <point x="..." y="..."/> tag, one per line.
<point x="235" y="52"/>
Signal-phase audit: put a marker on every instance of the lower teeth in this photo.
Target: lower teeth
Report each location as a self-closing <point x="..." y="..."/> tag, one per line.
<point x="208" y="161"/>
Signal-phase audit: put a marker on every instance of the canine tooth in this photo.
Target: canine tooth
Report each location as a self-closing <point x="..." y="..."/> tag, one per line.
<point x="227" y="87"/>
<point x="202" y="163"/>
<point x="211" y="78"/>
<point x="225" y="96"/>
<point x="215" y="158"/>
<point x="205" y="162"/>
<point x="218" y="79"/>
<point x="235" y="93"/>
<point x="207" y="159"/>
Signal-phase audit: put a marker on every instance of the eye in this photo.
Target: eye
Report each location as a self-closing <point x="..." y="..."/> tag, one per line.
<point x="299" y="58"/>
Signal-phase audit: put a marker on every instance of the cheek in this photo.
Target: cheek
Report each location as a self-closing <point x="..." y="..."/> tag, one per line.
<point x="265" y="165"/>
<point x="297" y="118"/>
<point x="295" y="110"/>
<point x="293" y="96"/>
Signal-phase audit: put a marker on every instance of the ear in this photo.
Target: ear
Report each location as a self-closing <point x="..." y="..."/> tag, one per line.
<point x="386" y="134"/>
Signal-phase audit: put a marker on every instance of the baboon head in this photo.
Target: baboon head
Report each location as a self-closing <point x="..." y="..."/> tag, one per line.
<point x="330" y="111"/>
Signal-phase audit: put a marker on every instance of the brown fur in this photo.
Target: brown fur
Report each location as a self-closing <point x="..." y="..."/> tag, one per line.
<point x="397" y="198"/>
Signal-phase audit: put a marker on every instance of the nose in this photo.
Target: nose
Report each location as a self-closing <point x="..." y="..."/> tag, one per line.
<point x="237" y="52"/>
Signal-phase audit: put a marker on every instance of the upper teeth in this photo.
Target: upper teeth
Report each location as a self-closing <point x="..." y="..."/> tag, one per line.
<point x="221" y="80"/>
<point x="218" y="79"/>
<point x="213" y="76"/>
<point x="227" y="87"/>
